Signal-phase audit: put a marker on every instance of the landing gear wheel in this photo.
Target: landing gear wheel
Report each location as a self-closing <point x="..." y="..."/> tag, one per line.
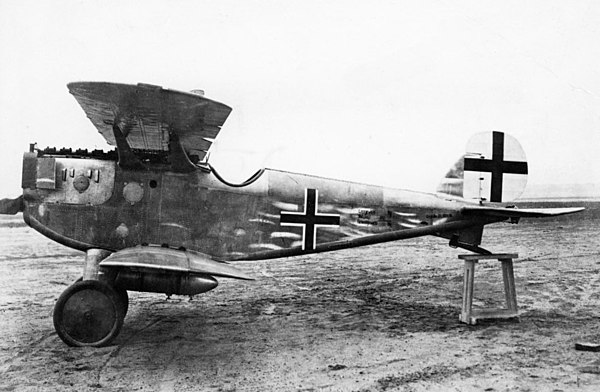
<point x="122" y="294"/>
<point x="89" y="313"/>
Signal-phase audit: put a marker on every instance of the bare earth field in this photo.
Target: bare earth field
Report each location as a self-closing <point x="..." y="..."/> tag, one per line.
<point x="380" y="318"/>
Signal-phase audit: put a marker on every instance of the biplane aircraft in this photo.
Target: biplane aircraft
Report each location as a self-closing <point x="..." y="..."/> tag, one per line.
<point x="153" y="215"/>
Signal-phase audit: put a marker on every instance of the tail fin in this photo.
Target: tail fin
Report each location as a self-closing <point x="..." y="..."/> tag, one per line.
<point x="494" y="169"/>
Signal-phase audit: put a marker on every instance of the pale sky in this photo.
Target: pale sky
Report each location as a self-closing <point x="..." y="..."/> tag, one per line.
<point x="383" y="92"/>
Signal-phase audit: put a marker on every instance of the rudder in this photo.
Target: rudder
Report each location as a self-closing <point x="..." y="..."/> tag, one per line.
<point x="494" y="168"/>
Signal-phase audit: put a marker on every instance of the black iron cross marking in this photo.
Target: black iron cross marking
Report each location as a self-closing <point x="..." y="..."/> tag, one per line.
<point x="497" y="166"/>
<point x="309" y="220"/>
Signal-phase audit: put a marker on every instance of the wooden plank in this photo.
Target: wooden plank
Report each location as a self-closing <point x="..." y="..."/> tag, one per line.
<point x="587" y="346"/>
<point x="494" y="256"/>
<point x="510" y="291"/>
<point x="468" y="281"/>
<point x="493" y="314"/>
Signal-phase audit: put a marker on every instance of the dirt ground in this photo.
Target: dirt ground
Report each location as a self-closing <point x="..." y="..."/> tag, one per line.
<point x="380" y="318"/>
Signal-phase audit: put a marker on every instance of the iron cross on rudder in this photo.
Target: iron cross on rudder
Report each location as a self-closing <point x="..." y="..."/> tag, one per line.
<point x="310" y="219"/>
<point x="497" y="166"/>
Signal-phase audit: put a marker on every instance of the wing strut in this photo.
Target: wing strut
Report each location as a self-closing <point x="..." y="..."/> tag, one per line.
<point x="127" y="159"/>
<point x="177" y="157"/>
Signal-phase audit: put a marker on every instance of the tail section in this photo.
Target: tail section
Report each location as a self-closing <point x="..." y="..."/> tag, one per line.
<point x="494" y="168"/>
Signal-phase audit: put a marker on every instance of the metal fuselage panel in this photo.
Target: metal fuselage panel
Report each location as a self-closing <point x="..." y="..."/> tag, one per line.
<point x="279" y="211"/>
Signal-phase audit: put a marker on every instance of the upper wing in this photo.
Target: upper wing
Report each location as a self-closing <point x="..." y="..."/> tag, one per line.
<point x="147" y="115"/>
<point x="518" y="213"/>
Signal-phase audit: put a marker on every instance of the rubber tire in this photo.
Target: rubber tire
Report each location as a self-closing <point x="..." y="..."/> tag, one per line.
<point x="122" y="294"/>
<point x="89" y="313"/>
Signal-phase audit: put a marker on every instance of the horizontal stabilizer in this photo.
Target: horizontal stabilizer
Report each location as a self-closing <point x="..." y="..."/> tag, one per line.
<point x="158" y="258"/>
<point x="512" y="212"/>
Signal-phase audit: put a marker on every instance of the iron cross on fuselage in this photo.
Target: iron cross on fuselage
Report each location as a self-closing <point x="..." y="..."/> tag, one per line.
<point x="497" y="166"/>
<point x="310" y="219"/>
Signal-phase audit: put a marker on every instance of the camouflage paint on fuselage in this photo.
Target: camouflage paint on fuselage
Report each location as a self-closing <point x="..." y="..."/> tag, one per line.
<point x="120" y="208"/>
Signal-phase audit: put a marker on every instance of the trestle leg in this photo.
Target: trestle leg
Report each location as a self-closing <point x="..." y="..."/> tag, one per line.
<point x="470" y="316"/>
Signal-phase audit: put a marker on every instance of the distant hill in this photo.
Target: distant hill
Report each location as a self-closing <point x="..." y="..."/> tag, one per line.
<point x="560" y="196"/>
<point x="536" y="192"/>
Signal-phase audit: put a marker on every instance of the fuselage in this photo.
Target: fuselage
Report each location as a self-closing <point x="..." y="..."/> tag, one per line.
<point x="91" y="202"/>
